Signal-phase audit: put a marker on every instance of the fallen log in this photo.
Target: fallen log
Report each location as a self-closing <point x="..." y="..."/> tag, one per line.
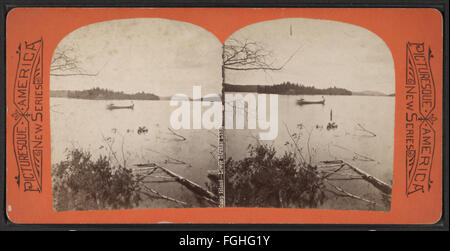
<point x="192" y="186"/>
<point x="162" y="196"/>
<point x="158" y="181"/>
<point x="335" y="171"/>
<point x="372" y="180"/>
<point x="333" y="162"/>
<point x="354" y="196"/>
<point x="329" y="165"/>
<point x="149" y="165"/>
<point x="385" y="188"/>
<point x="176" y="134"/>
<point x="348" y="178"/>
<point x="367" y="131"/>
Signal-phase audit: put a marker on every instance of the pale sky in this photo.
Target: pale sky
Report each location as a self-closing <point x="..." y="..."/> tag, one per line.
<point x="154" y="55"/>
<point x="168" y="57"/>
<point x="331" y="53"/>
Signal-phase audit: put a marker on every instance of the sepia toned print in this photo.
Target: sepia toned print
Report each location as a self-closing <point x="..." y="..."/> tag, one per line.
<point x="113" y="88"/>
<point x="333" y="142"/>
<point x="136" y="108"/>
<point x="113" y="115"/>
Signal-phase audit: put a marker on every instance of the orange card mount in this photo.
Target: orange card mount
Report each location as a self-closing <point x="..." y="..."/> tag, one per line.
<point x="119" y="115"/>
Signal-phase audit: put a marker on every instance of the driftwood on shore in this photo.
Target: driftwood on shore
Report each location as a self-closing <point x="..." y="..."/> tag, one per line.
<point x="180" y="137"/>
<point x="385" y="188"/>
<point x="347" y="194"/>
<point x="162" y="196"/>
<point x="338" y="165"/>
<point x="366" y="131"/>
<point x="192" y="186"/>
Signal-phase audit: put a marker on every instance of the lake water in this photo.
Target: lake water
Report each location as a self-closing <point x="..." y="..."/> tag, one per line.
<point x="89" y="125"/>
<point x="349" y="141"/>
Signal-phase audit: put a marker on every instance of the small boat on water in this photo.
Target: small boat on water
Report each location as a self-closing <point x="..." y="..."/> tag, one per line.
<point x="306" y="102"/>
<point x="113" y="107"/>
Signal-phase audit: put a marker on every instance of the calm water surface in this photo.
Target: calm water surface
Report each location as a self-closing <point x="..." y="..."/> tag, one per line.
<point x="89" y="125"/>
<point x="347" y="142"/>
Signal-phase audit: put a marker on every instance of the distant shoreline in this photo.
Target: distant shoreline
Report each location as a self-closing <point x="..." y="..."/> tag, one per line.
<point x="102" y="94"/>
<point x="288" y="88"/>
<point x="281" y="89"/>
<point x="289" y="94"/>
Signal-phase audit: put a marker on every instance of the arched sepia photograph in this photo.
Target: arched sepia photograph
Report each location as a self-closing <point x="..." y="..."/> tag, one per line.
<point x="121" y="100"/>
<point x="306" y="106"/>
<point x="281" y="116"/>
<point x="309" y="116"/>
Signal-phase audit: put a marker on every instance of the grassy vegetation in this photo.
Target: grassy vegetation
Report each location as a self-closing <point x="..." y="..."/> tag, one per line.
<point x="81" y="183"/>
<point x="263" y="179"/>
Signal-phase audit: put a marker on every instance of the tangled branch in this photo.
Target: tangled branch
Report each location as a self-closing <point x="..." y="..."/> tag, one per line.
<point x="65" y="64"/>
<point x="249" y="55"/>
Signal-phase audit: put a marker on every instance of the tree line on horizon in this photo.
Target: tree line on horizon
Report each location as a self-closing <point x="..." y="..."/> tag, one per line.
<point x="102" y="93"/>
<point x="287" y="88"/>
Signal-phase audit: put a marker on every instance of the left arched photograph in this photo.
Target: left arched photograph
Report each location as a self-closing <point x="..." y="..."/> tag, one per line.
<point x="135" y="108"/>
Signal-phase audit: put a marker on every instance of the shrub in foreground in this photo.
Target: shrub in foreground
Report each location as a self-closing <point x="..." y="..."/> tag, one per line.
<point x="263" y="179"/>
<point x="81" y="183"/>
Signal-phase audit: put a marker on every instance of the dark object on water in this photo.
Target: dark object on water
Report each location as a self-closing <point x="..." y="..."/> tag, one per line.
<point x="113" y="107"/>
<point x="305" y="102"/>
<point x="142" y="130"/>
<point x="331" y="125"/>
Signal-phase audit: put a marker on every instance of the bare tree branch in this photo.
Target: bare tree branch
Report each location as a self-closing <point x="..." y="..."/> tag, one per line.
<point x="249" y="55"/>
<point x="73" y="74"/>
<point x="64" y="64"/>
<point x="176" y="134"/>
<point x="295" y="144"/>
<point x="162" y="196"/>
<point x="367" y="131"/>
<point x="345" y="193"/>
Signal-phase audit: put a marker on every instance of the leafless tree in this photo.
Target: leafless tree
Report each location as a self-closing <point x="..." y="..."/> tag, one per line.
<point x="249" y="55"/>
<point x="66" y="63"/>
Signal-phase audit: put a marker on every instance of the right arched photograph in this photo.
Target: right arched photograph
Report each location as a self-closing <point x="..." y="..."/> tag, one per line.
<point x="309" y="116"/>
